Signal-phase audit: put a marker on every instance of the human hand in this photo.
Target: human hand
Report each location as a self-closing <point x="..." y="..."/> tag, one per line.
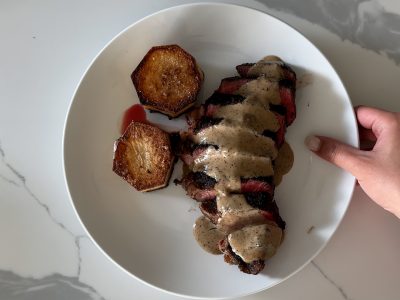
<point x="377" y="170"/>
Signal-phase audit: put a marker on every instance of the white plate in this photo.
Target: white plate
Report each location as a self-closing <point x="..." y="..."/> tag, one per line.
<point x="150" y="235"/>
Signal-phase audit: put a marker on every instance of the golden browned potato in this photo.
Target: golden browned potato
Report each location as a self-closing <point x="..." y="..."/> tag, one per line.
<point x="167" y="80"/>
<point x="143" y="157"/>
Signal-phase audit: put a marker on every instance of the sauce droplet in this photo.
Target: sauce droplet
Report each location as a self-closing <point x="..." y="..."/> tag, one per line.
<point x="134" y="113"/>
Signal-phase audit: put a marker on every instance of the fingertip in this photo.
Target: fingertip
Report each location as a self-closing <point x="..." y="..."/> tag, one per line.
<point x="313" y="143"/>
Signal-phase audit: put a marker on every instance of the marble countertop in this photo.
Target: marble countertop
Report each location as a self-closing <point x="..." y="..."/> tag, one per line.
<point x="45" y="48"/>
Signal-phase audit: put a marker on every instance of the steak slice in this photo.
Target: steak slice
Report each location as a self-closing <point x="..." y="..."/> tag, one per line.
<point x="201" y="180"/>
<point x="233" y="221"/>
<point x="231" y="84"/>
<point x="257" y="191"/>
<point x="193" y="116"/>
<point x="256" y="185"/>
<point x="209" y="209"/>
<point x="287" y="107"/>
<point x="278" y="136"/>
<point x="288" y="95"/>
<point x="205" y="122"/>
<point x="230" y="257"/>
<point x="243" y="71"/>
<point x="199" y="194"/>
<point x="199" y="186"/>
<point x="264" y="202"/>
<point x="219" y="98"/>
<point x="193" y="151"/>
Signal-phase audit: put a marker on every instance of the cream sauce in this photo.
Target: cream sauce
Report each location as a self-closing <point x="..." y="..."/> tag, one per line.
<point x="252" y="116"/>
<point x="261" y="91"/>
<point x="235" y="220"/>
<point x="237" y="139"/>
<point x="270" y="66"/>
<point x="232" y="165"/>
<point x="232" y="203"/>
<point x="255" y="242"/>
<point x="207" y="235"/>
<point x="283" y="163"/>
<point x="244" y="153"/>
<point x="271" y="70"/>
<point x="272" y="58"/>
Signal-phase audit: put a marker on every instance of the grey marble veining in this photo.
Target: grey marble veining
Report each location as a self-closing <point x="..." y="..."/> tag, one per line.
<point x="340" y="289"/>
<point x="17" y="286"/>
<point x="364" y="22"/>
<point x="54" y="286"/>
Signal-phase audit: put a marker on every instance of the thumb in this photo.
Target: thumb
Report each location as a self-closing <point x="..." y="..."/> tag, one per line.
<point x="337" y="153"/>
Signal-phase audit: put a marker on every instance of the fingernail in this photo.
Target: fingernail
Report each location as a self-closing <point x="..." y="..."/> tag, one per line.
<point x="313" y="143"/>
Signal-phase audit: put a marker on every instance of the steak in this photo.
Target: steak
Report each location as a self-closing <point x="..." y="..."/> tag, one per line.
<point x="219" y="98"/>
<point x="209" y="209"/>
<point x="205" y="122"/>
<point x="243" y="71"/>
<point x="230" y="257"/>
<point x="231" y="85"/>
<point x="201" y="180"/>
<point x="192" y="151"/>
<point x="278" y="136"/>
<point x="256" y="185"/>
<point x="265" y="202"/>
<point x="199" y="186"/>
<point x="228" y="205"/>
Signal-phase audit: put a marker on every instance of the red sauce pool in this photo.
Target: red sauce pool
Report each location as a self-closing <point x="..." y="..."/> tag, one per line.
<point x="134" y="113"/>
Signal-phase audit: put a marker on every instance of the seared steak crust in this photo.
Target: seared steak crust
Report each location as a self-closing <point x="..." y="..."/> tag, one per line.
<point x="230" y="257"/>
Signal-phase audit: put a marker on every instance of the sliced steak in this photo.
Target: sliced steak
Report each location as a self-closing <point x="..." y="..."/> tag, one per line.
<point x="248" y="185"/>
<point x="286" y="90"/>
<point x="256" y="185"/>
<point x="193" y="116"/>
<point x="209" y="209"/>
<point x="243" y="71"/>
<point x="231" y="84"/>
<point x="232" y="221"/>
<point x="278" y="136"/>
<point x="203" y="181"/>
<point x="230" y="257"/>
<point x="211" y="110"/>
<point x="199" y="186"/>
<point x="193" y="151"/>
<point x="184" y="150"/>
<point x="205" y="122"/>
<point x="199" y="194"/>
<point x="267" y="205"/>
<point x="196" y="114"/>
<point x="176" y="142"/>
<point x="288" y="95"/>
<point x="218" y="98"/>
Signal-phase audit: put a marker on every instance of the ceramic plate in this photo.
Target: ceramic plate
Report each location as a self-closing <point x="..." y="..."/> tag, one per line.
<point x="149" y="235"/>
